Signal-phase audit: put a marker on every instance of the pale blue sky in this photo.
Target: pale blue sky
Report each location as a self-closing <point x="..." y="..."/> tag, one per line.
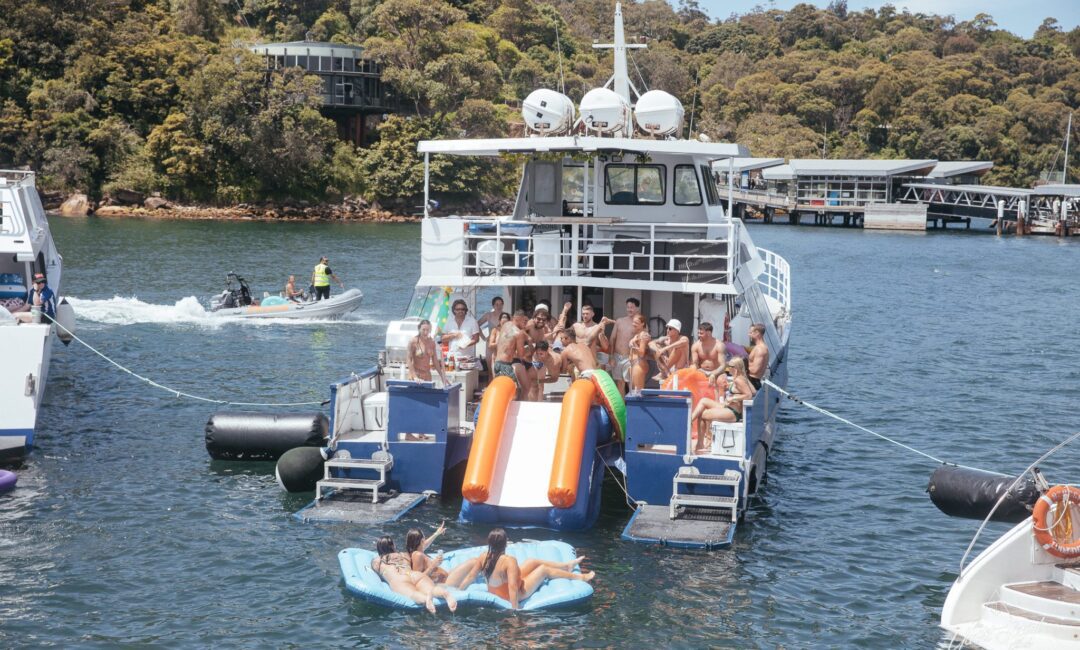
<point x="1019" y="17"/>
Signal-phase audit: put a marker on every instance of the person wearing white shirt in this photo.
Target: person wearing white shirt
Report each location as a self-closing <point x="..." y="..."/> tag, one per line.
<point x="463" y="332"/>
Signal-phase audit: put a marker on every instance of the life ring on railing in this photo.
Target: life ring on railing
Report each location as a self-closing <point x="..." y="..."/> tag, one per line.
<point x="1049" y="532"/>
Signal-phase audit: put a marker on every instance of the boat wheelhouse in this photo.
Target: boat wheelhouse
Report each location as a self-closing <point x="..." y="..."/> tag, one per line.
<point x="597" y="220"/>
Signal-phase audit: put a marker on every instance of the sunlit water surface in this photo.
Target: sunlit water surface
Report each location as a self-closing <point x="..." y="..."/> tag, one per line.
<point x="123" y="532"/>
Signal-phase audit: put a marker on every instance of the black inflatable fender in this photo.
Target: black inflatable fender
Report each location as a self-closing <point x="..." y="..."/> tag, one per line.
<point x="246" y="435"/>
<point x="972" y="493"/>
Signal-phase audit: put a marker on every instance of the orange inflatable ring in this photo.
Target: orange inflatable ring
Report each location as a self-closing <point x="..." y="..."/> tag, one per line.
<point x="693" y="380"/>
<point x="1050" y="530"/>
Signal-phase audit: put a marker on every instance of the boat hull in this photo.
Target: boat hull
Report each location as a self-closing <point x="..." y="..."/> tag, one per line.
<point x="335" y="307"/>
<point x="28" y="351"/>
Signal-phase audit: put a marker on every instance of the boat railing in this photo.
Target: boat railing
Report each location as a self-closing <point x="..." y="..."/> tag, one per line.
<point x="775" y="282"/>
<point x="576" y="246"/>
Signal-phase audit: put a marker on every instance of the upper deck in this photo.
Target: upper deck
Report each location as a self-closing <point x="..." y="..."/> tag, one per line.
<point x="23" y="226"/>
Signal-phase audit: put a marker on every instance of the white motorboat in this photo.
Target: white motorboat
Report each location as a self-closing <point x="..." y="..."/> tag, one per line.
<point x="1023" y="591"/>
<point x="236" y="301"/>
<point x="26" y="248"/>
<point x="620" y="216"/>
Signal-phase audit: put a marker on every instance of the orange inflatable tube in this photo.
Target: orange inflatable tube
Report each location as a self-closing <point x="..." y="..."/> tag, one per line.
<point x="570" y="443"/>
<point x="485" y="445"/>
<point x="695" y="381"/>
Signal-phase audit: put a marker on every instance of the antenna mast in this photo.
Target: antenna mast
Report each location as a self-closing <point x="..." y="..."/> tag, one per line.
<point x="621" y="79"/>
<point x="1065" y="163"/>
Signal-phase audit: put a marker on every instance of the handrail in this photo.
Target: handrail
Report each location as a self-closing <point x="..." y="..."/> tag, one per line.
<point x="12" y="223"/>
<point x="648" y="249"/>
<point x="775" y="282"/>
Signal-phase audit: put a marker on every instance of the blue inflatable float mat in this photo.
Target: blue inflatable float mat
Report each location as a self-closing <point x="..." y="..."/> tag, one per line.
<point x="361" y="579"/>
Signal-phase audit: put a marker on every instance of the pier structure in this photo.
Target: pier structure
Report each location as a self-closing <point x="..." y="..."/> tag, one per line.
<point x="1046" y="209"/>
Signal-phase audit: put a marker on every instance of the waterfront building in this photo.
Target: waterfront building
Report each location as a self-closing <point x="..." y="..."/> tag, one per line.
<point x="353" y="93"/>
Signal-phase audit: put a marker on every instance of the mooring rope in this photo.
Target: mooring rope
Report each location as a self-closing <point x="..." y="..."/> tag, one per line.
<point x="175" y="392"/>
<point x="834" y="416"/>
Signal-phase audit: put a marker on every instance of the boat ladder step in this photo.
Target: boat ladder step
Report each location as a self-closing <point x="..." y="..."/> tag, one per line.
<point x="329" y="481"/>
<point x="704" y="501"/>
<point x="688" y="475"/>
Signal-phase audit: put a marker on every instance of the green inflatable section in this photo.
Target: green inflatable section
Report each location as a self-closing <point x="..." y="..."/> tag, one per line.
<point x="612" y="400"/>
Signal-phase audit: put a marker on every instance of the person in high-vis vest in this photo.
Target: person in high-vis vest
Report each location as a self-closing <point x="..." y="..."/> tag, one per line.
<point x="320" y="279"/>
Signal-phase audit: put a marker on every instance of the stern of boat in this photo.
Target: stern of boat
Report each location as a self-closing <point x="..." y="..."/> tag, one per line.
<point x="27" y="352"/>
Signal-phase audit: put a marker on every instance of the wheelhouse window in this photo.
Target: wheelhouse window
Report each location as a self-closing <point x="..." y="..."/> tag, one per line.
<point x="573" y="189"/>
<point x="687" y="190"/>
<point x="634" y="184"/>
<point x="710" y="185"/>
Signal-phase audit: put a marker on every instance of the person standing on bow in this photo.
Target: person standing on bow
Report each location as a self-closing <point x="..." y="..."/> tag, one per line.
<point x="320" y="279"/>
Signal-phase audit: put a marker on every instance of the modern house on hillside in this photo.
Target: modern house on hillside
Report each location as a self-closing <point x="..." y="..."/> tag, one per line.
<point x="353" y="93"/>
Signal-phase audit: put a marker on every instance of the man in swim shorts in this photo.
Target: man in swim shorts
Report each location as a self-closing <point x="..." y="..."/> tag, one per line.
<point x="758" y="363"/>
<point x="619" y="345"/>
<point x="671" y="351"/>
<point x="512" y="350"/>
<point x="707" y="353"/>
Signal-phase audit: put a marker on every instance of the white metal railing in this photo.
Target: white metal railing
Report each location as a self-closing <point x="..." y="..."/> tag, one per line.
<point x="775" y="282"/>
<point x="590" y="246"/>
<point x="11" y="222"/>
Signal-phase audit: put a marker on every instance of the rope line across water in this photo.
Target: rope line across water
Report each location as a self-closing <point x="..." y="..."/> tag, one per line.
<point x="860" y="428"/>
<point x="175" y="392"/>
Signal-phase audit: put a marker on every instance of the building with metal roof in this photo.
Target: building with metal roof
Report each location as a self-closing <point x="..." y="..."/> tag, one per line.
<point x="353" y="94"/>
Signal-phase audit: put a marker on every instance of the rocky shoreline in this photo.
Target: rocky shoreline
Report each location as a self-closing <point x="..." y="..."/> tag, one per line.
<point x="350" y="208"/>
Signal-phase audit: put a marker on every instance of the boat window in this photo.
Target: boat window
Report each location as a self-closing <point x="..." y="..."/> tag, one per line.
<point x="573" y="189"/>
<point x="710" y="185"/>
<point x="543" y="182"/>
<point x="634" y="184"/>
<point x="687" y="190"/>
<point x="427" y="302"/>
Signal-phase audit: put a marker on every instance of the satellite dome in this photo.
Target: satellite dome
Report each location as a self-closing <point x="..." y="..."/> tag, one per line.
<point x="659" y="113"/>
<point x="548" y="112"/>
<point x="605" y="111"/>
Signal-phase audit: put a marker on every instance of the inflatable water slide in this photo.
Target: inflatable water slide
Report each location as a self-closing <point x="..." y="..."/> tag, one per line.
<point x="537" y="463"/>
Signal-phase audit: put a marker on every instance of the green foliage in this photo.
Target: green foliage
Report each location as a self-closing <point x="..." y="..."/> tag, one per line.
<point x="161" y="95"/>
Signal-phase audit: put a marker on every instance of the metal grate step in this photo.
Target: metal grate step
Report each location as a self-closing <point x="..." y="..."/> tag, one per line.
<point x="350" y="484"/>
<point x="729" y="504"/>
<point x="360" y="463"/>
<point x="730" y="477"/>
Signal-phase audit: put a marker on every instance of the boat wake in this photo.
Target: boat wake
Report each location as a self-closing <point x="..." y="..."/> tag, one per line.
<point x="119" y="310"/>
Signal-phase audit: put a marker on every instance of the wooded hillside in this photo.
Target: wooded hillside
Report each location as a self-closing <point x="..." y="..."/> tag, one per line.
<point x="162" y="95"/>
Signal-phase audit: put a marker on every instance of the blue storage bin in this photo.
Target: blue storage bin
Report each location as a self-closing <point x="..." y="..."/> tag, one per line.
<point x="11" y="286"/>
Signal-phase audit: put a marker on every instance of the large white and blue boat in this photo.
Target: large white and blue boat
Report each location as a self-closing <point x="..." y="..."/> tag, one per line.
<point x="26" y="248"/>
<point x="611" y="206"/>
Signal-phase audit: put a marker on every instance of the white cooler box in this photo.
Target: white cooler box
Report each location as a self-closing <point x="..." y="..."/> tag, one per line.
<point x="375" y="411"/>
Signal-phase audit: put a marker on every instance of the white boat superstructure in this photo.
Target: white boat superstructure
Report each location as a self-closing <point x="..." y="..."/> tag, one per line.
<point x="26" y="248"/>
<point x="1016" y="595"/>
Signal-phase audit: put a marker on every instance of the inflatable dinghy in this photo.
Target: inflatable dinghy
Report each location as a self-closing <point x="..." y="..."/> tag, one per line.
<point x="361" y="579"/>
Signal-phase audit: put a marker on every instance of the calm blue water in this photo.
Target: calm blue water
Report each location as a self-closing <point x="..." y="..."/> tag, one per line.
<point x="123" y="532"/>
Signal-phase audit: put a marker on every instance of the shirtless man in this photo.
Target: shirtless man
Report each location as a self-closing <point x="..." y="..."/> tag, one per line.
<point x="708" y="353"/>
<point x="291" y="292"/>
<point x="758" y="362"/>
<point x="421" y="356"/>
<point x="620" y="344"/>
<point x="587" y="332"/>
<point x="575" y="357"/>
<point x="541" y="330"/>
<point x="511" y="352"/>
<point x="549" y="369"/>
<point x="672" y="352"/>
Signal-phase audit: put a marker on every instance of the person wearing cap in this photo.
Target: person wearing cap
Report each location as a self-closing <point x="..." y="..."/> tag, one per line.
<point x="320" y="279"/>
<point x="41" y="297"/>
<point x="672" y="351"/>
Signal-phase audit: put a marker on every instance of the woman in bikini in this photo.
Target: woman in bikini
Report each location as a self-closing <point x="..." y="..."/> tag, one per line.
<point x="416" y="545"/>
<point x="396" y="569"/>
<point x="639" y="353"/>
<point x="514" y="583"/>
<point x="422" y="356"/>
<point x="729" y="409"/>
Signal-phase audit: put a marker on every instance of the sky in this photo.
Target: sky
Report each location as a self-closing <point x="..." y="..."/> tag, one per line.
<point x="1017" y="16"/>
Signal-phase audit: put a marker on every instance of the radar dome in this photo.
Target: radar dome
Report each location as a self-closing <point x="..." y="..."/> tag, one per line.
<point x="548" y="112"/>
<point x="605" y="111"/>
<point x="659" y="113"/>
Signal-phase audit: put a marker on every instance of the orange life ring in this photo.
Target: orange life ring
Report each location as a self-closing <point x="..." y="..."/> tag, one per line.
<point x="1047" y="534"/>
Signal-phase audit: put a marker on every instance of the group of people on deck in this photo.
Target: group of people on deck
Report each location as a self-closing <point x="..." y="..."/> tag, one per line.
<point x="537" y="349"/>
<point x="419" y="577"/>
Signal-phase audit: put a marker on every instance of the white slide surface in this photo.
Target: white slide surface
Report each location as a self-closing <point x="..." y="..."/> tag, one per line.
<point x="526" y="454"/>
